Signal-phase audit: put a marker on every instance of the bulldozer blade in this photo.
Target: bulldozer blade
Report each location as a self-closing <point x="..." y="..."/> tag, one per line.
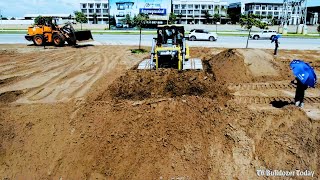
<point x="194" y="64"/>
<point x="84" y="35"/>
<point x="146" y="64"/>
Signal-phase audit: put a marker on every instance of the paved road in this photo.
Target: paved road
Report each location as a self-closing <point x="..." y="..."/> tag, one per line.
<point x="223" y="41"/>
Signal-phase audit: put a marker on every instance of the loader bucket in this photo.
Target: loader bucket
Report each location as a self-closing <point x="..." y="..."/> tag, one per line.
<point x="84" y="35"/>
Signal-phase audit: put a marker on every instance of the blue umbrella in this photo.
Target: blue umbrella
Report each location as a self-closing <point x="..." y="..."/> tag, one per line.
<point x="304" y="72"/>
<point x="275" y="38"/>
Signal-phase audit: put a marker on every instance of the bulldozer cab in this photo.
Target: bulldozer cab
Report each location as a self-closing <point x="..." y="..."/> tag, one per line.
<point x="170" y="50"/>
<point x="168" y="35"/>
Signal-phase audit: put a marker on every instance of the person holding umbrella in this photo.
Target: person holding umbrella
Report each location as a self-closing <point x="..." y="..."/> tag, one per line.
<point x="305" y="77"/>
<point x="275" y="39"/>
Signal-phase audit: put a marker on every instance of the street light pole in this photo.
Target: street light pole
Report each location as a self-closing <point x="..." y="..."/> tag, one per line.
<point x="1" y="18"/>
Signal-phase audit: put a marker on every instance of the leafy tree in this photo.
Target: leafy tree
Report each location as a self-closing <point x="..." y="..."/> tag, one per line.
<point x="13" y="18"/>
<point x="80" y="17"/>
<point x="207" y="15"/>
<point x="269" y="17"/>
<point x="95" y="18"/>
<point x="38" y="20"/>
<point x="127" y="20"/>
<point x="216" y="18"/>
<point x="42" y="20"/>
<point x="249" y="21"/>
<point x="172" y="18"/>
<point x="139" y="21"/>
<point x="318" y="29"/>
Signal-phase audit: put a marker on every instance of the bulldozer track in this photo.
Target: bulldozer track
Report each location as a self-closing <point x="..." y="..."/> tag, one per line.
<point x="260" y="86"/>
<point x="268" y="100"/>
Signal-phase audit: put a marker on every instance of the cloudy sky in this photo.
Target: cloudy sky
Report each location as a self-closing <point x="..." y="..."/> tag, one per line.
<point x="18" y="8"/>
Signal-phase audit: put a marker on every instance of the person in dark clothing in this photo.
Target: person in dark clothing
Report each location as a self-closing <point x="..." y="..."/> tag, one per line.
<point x="300" y="89"/>
<point x="276" y="43"/>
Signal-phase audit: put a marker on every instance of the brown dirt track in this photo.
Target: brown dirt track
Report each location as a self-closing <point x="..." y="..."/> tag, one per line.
<point x="84" y="113"/>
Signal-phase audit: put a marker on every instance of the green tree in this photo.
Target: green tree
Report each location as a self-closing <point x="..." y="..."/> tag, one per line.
<point x="38" y="20"/>
<point x="249" y="21"/>
<point x="127" y="20"/>
<point x="95" y="18"/>
<point x="140" y="21"/>
<point x="207" y="15"/>
<point x="12" y="18"/>
<point x="172" y="18"/>
<point x="80" y="17"/>
<point x="216" y="18"/>
<point x="318" y="29"/>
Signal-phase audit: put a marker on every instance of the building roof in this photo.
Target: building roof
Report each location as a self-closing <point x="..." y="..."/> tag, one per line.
<point x="47" y="15"/>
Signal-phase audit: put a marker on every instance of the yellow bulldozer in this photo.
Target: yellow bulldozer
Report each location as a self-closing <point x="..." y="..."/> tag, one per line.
<point x="170" y="50"/>
<point x="47" y="31"/>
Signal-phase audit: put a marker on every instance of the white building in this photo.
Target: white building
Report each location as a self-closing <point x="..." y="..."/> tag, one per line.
<point x="100" y="8"/>
<point x="264" y="9"/>
<point x="193" y="12"/>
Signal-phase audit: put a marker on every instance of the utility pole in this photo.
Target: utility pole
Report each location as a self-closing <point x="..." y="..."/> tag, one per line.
<point x="1" y="19"/>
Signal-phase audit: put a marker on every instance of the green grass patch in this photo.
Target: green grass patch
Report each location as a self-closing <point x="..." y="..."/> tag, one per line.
<point x="13" y="32"/>
<point x="138" y="51"/>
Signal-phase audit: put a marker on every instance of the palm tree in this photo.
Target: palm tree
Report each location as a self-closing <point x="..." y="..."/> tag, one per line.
<point x="207" y="15"/>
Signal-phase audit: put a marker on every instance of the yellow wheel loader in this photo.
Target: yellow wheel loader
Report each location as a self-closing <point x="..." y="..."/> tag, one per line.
<point x="46" y="31"/>
<point x="170" y="50"/>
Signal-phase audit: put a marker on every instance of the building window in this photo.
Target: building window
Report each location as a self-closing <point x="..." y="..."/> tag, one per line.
<point x="90" y="5"/>
<point x="176" y="11"/>
<point x="176" y="6"/>
<point x="257" y="13"/>
<point x="90" y="10"/>
<point x="275" y="8"/>
<point x="190" y="11"/>
<point x="98" y="5"/>
<point x="183" y="6"/>
<point x="196" y="6"/>
<point x="210" y="7"/>
<point x="269" y="13"/>
<point x="84" y="10"/>
<point x="98" y="10"/>
<point x="276" y="13"/>
<point x="190" y="6"/>
<point x="269" y="7"/>
<point x="84" y="6"/>
<point x="183" y="12"/>
<point x="105" y="11"/>
<point x="105" y="6"/>
<point x="203" y="7"/>
<point x="263" y="13"/>
<point x="257" y="7"/>
<point x="263" y="7"/>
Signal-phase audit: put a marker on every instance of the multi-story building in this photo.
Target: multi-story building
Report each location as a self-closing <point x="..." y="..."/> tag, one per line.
<point x="265" y="9"/>
<point x="196" y="11"/>
<point x="97" y="11"/>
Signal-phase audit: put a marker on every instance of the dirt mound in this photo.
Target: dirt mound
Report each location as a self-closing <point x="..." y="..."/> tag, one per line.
<point x="228" y="66"/>
<point x="10" y="96"/>
<point x="138" y="85"/>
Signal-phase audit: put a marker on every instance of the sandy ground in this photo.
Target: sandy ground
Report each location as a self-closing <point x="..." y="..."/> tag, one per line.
<point x="86" y="113"/>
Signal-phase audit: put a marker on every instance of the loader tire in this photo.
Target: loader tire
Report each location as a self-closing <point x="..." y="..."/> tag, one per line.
<point x="58" y="40"/>
<point x="38" y="40"/>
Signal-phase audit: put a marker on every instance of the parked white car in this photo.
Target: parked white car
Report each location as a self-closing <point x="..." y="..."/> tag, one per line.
<point x="265" y="34"/>
<point x="200" y="34"/>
